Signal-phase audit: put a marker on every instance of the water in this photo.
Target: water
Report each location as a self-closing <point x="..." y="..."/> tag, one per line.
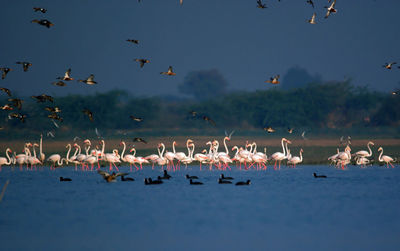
<point x="354" y="209"/>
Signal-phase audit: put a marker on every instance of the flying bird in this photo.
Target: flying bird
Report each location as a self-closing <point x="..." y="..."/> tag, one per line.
<point x="330" y="9"/>
<point x="136" y="118"/>
<point x="67" y="76"/>
<point x="311" y="3"/>
<point x="209" y="120"/>
<point x="312" y="19"/>
<point x="43" y="22"/>
<point x="396" y="92"/>
<point x="52" y="109"/>
<point x="16" y="102"/>
<point x="55" y="124"/>
<point x="59" y="83"/>
<point x="142" y="61"/>
<point x="389" y="65"/>
<point x="25" y="65"/>
<point x="6" y="91"/>
<point x="5" y="70"/>
<point x="43" y="98"/>
<point x="36" y="9"/>
<point x="134" y="41"/>
<point x="89" y="80"/>
<point x="88" y="113"/>
<point x="290" y="130"/>
<point x="139" y="140"/>
<point x="193" y="113"/>
<point x="269" y="129"/>
<point x="273" y="80"/>
<point x="261" y="5"/>
<point x="169" y="72"/>
<point x="19" y="116"/>
<point x="6" y="107"/>
<point x="50" y="134"/>
<point x="55" y="116"/>
<point x="303" y="135"/>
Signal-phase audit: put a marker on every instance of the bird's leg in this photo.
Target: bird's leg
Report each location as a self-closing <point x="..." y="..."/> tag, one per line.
<point x="280" y="165"/>
<point x="391" y="165"/>
<point x="116" y="167"/>
<point x="110" y="166"/>
<point x="200" y="165"/>
<point x="137" y="168"/>
<point x="130" y="166"/>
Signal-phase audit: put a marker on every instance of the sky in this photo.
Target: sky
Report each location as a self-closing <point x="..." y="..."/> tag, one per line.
<point x="246" y="44"/>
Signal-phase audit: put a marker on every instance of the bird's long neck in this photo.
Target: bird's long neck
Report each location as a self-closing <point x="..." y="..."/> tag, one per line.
<point x="34" y="151"/>
<point x="103" y="147"/>
<point x="283" y="147"/>
<point x="8" y="157"/>
<point x="370" y="151"/>
<point x="28" y="152"/>
<point x="226" y="147"/>
<point x="87" y="150"/>
<point x="255" y="147"/>
<point x="76" y="152"/>
<point x="40" y="145"/>
<point x="134" y="152"/>
<point x="380" y="155"/>
<point x="163" y="149"/>
<point x="237" y="150"/>
<point x="286" y="147"/>
<point x="69" y="150"/>
<point x="192" y="150"/>
<point x="173" y="147"/>
<point x="301" y="155"/>
<point x="123" y="150"/>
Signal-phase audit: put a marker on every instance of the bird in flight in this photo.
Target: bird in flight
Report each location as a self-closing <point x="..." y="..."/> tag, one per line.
<point x="396" y="92"/>
<point x="312" y="19"/>
<point x="311" y="3"/>
<point x="142" y="61"/>
<point x="6" y="91"/>
<point x="59" y="83"/>
<point x="89" y="80"/>
<point x="36" y="9"/>
<point x="136" y="118"/>
<point x="269" y="129"/>
<point x="330" y="9"/>
<point x="25" y="65"/>
<point x="43" y="22"/>
<point x="139" y="140"/>
<point x="19" y="116"/>
<point x="16" y="102"/>
<point x="52" y="109"/>
<point x="134" y="41"/>
<point x="273" y="80"/>
<point x="5" y="70"/>
<point x="67" y="76"/>
<point x="261" y="5"/>
<point x="55" y="116"/>
<point x="290" y="130"/>
<point x="389" y="65"/>
<point x="6" y="107"/>
<point x="169" y="72"/>
<point x="88" y="113"/>
<point x="43" y="98"/>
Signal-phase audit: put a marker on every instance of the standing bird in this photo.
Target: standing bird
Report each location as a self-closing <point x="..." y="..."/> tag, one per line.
<point x="385" y="158"/>
<point x="142" y="61"/>
<point x="169" y="72"/>
<point x="312" y="19"/>
<point x="36" y="9"/>
<point x="89" y="80"/>
<point x="261" y="5"/>
<point x="7" y="91"/>
<point x="67" y="76"/>
<point x="274" y="80"/>
<point x="88" y="113"/>
<point x="43" y="22"/>
<point x="389" y="65"/>
<point x="25" y="65"/>
<point x="134" y="41"/>
<point x="5" y="70"/>
<point x="330" y="9"/>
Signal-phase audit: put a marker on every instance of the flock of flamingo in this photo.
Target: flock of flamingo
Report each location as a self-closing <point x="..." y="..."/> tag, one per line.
<point x="246" y="156"/>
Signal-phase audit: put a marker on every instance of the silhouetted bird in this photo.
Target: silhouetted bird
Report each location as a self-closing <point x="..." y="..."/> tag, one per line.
<point x="221" y="181"/>
<point x="16" y="102"/>
<point x="273" y="80"/>
<point x="89" y="80"/>
<point x="59" y="83"/>
<point x="261" y="5"/>
<point x="396" y="92"/>
<point x="169" y="72"/>
<point x="25" y="65"/>
<point x="209" y="120"/>
<point x="6" y="91"/>
<point x="65" y="179"/>
<point x="330" y="9"/>
<point x="195" y="182"/>
<point x="67" y="76"/>
<point x="134" y="41"/>
<point x="149" y="181"/>
<point x="52" y="109"/>
<point x="127" y="178"/>
<point x="43" y="22"/>
<point x="110" y="177"/>
<point x="225" y="178"/>
<point x="139" y="140"/>
<point x="311" y="3"/>
<point x="191" y="177"/>
<point x="39" y="9"/>
<point x="55" y="116"/>
<point x="389" y="65"/>
<point x="242" y="183"/>
<point x="269" y="129"/>
<point x="319" y="176"/>
<point x="166" y="175"/>
<point x="88" y="113"/>
<point x="136" y="118"/>
<point x="193" y="113"/>
<point x="312" y="19"/>
<point x="5" y="70"/>
<point x="142" y="61"/>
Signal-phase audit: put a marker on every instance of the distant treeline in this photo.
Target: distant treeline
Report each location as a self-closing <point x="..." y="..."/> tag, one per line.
<point x="329" y="105"/>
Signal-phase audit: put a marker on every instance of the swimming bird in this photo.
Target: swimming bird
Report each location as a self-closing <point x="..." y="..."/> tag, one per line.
<point x="169" y="72"/>
<point x="7" y="91"/>
<point x="195" y="182"/>
<point x="5" y="70"/>
<point x="269" y="129"/>
<point x="242" y="183"/>
<point x="39" y="9"/>
<point x="134" y="41"/>
<point x="142" y="61"/>
<point x="127" y="178"/>
<point x="166" y="175"/>
<point x="273" y="80"/>
<point x="59" y="83"/>
<point x="261" y="5"/>
<point x="149" y="181"/>
<point x="88" y="113"/>
<point x="221" y="181"/>
<point x="25" y="65"/>
<point x="89" y="80"/>
<point x="312" y="19"/>
<point x="311" y="3"/>
<point x="136" y="118"/>
<point x="225" y="178"/>
<point x="319" y="176"/>
<point x="139" y="140"/>
<point x="110" y="177"/>
<point x="65" y="179"/>
<point x="43" y="22"/>
<point x="67" y="76"/>
<point x="330" y="9"/>
<point x="389" y="65"/>
<point x="16" y="102"/>
<point x="189" y="177"/>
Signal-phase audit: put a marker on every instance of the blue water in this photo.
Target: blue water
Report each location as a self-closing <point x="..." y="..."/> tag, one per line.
<point x="354" y="209"/>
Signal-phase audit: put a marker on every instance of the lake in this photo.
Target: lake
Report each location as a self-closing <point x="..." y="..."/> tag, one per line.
<point x="353" y="209"/>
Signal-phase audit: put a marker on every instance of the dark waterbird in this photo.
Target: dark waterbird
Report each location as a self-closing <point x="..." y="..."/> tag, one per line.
<point x="319" y="176"/>
<point x="127" y="178"/>
<point x="191" y="177"/>
<point x="65" y="179"/>
<point x="225" y="178"/>
<point x="195" y="182"/>
<point x="242" y="183"/>
<point x="139" y="140"/>
<point x="36" y="9"/>
<point x="7" y="91"/>
<point x="89" y="80"/>
<point x="169" y="72"/>
<point x="16" y="102"/>
<point x="221" y="181"/>
<point x="142" y="61"/>
<point x="166" y="175"/>
<point x="149" y="181"/>
<point x="25" y="65"/>
<point x="88" y="113"/>
<point x="134" y="41"/>
<point x="43" y="22"/>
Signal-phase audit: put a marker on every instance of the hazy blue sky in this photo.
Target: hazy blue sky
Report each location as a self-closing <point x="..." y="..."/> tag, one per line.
<point x="246" y="44"/>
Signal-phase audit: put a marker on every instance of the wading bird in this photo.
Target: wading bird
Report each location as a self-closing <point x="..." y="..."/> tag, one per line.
<point x="385" y="158"/>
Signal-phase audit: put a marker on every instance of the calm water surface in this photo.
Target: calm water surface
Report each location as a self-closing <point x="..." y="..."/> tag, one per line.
<point x="354" y="209"/>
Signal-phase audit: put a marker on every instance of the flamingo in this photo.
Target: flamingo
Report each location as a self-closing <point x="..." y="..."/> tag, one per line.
<point x="92" y="159"/>
<point x="56" y="158"/>
<point x="170" y="156"/>
<point x="139" y="160"/>
<point x="33" y="160"/>
<point x="296" y="160"/>
<point x="333" y="158"/>
<point x="362" y="161"/>
<point x="181" y="155"/>
<point x="153" y="157"/>
<point x="188" y="159"/>
<point x="42" y="156"/>
<point x="278" y="156"/>
<point x="385" y="158"/>
<point x="161" y="161"/>
<point x="73" y="157"/>
<point x="5" y="161"/>
<point x="344" y="158"/>
<point x="364" y="153"/>
<point x="111" y="158"/>
<point x="258" y="157"/>
<point x="129" y="158"/>
<point x="200" y="157"/>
